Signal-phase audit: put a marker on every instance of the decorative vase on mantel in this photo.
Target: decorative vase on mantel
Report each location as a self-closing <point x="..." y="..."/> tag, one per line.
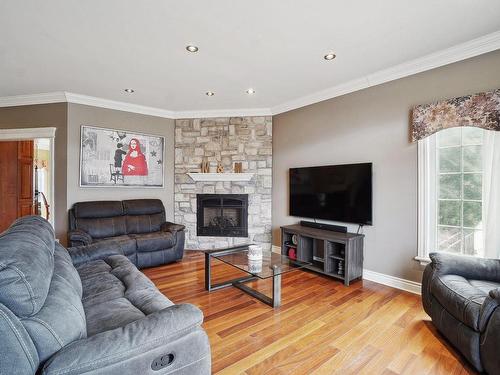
<point x="205" y="166"/>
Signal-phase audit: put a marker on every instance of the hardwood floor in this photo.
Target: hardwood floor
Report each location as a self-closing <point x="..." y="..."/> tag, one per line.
<point x="322" y="326"/>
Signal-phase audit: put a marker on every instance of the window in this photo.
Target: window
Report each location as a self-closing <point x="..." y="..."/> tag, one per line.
<point x="459" y="179"/>
<point x="451" y="192"/>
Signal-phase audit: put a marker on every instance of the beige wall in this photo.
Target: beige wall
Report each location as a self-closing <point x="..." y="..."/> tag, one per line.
<point x="372" y="126"/>
<point x="46" y="115"/>
<point x="79" y="115"/>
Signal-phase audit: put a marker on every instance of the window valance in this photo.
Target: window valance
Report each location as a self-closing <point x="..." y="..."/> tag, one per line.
<point x="479" y="110"/>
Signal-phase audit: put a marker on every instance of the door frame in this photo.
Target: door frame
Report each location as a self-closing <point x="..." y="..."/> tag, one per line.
<point x="25" y="134"/>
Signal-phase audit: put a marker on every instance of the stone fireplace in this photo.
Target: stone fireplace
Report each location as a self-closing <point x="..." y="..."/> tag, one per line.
<point x="227" y="140"/>
<point x="222" y="215"/>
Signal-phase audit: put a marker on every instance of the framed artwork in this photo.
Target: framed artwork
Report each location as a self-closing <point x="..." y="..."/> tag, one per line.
<point x="115" y="158"/>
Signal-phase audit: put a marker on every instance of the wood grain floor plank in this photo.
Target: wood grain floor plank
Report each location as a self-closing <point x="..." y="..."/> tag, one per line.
<point x="322" y="327"/>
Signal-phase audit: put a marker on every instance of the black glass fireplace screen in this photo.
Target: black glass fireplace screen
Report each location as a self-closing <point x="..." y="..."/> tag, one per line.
<point x="222" y="215"/>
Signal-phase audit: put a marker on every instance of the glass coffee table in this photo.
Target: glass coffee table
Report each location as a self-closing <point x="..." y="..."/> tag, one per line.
<point x="273" y="265"/>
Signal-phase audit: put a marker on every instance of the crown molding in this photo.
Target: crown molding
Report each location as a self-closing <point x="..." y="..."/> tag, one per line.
<point x="68" y="97"/>
<point x="475" y="47"/>
<point x="243" y="112"/>
<point x="44" y="98"/>
<point x="119" y="106"/>
<point x="472" y="48"/>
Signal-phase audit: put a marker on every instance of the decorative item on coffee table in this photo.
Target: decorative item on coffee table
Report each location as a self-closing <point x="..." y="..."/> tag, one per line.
<point x="254" y="252"/>
<point x="254" y="259"/>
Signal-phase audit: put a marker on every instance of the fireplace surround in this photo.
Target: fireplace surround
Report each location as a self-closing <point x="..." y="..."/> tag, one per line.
<point x="222" y="215"/>
<point x="244" y="139"/>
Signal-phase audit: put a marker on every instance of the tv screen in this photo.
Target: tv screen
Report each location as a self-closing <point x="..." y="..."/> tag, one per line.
<point x="336" y="192"/>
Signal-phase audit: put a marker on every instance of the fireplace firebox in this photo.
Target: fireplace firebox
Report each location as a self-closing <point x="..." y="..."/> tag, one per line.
<point x="222" y="215"/>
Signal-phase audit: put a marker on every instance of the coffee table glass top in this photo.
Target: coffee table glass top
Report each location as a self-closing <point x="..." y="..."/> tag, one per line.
<point x="271" y="264"/>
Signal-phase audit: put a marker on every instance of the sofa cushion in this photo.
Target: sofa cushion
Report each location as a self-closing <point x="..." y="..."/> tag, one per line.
<point x="97" y="209"/>
<point x="26" y="265"/>
<point x="485" y="286"/>
<point x="116" y="293"/>
<point x="126" y="243"/>
<point x="144" y="223"/>
<point x="153" y="258"/>
<point x="143" y="206"/>
<point x="460" y="297"/>
<point x="61" y="320"/>
<point x="154" y="241"/>
<point x="102" y="227"/>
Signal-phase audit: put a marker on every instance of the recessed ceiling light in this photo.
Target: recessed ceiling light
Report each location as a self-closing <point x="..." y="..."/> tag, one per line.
<point x="329" y="56"/>
<point x="129" y="91"/>
<point x="250" y="91"/>
<point x="192" y="48"/>
<point x="210" y="93"/>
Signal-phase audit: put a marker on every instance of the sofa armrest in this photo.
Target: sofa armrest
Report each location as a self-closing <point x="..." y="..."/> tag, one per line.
<point x="489" y="324"/>
<point x="99" y="250"/>
<point x="172" y="227"/>
<point x="173" y="333"/>
<point x="466" y="266"/>
<point x="490" y="304"/>
<point x="78" y="237"/>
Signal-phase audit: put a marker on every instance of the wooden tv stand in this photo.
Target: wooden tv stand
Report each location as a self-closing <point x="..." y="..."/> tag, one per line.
<point x="335" y="254"/>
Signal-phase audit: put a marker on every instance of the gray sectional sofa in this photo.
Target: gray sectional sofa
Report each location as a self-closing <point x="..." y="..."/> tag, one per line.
<point x="138" y="226"/>
<point x="462" y="296"/>
<point x="88" y="312"/>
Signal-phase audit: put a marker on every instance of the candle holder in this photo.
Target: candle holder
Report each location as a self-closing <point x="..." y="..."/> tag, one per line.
<point x="255" y="252"/>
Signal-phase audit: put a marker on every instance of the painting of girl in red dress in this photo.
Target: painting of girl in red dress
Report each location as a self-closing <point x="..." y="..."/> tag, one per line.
<point x="118" y="158"/>
<point x="135" y="161"/>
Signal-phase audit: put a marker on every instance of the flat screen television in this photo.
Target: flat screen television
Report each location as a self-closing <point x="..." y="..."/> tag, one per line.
<point x="335" y="192"/>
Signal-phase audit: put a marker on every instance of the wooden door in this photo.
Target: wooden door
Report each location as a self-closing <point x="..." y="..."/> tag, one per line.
<point x="25" y="189"/>
<point x="8" y="184"/>
<point x="16" y="181"/>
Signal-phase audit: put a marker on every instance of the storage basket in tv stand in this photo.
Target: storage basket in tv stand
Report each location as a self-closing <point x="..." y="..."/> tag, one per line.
<point x="339" y="255"/>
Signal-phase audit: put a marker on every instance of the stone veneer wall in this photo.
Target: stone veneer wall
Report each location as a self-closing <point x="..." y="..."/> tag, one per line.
<point x="245" y="139"/>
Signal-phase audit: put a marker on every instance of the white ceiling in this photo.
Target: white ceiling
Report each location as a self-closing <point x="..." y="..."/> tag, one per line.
<point x="98" y="48"/>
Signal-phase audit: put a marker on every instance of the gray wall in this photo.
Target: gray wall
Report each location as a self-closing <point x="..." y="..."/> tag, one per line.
<point x="79" y="115"/>
<point x="372" y="125"/>
<point x="39" y="116"/>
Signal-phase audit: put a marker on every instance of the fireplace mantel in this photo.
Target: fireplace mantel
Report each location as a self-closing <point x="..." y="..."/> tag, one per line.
<point x="221" y="176"/>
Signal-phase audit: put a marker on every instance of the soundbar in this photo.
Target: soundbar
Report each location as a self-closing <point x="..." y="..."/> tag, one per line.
<point x="331" y="227"/>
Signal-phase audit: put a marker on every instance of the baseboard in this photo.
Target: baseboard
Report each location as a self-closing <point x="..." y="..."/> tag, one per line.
<point x="381" y="278"/>
<point x="392" y="281"/>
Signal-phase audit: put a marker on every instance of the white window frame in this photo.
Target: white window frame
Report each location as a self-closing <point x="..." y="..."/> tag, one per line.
<point x="427" y="209"/>
<point x="427" y="196"/>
